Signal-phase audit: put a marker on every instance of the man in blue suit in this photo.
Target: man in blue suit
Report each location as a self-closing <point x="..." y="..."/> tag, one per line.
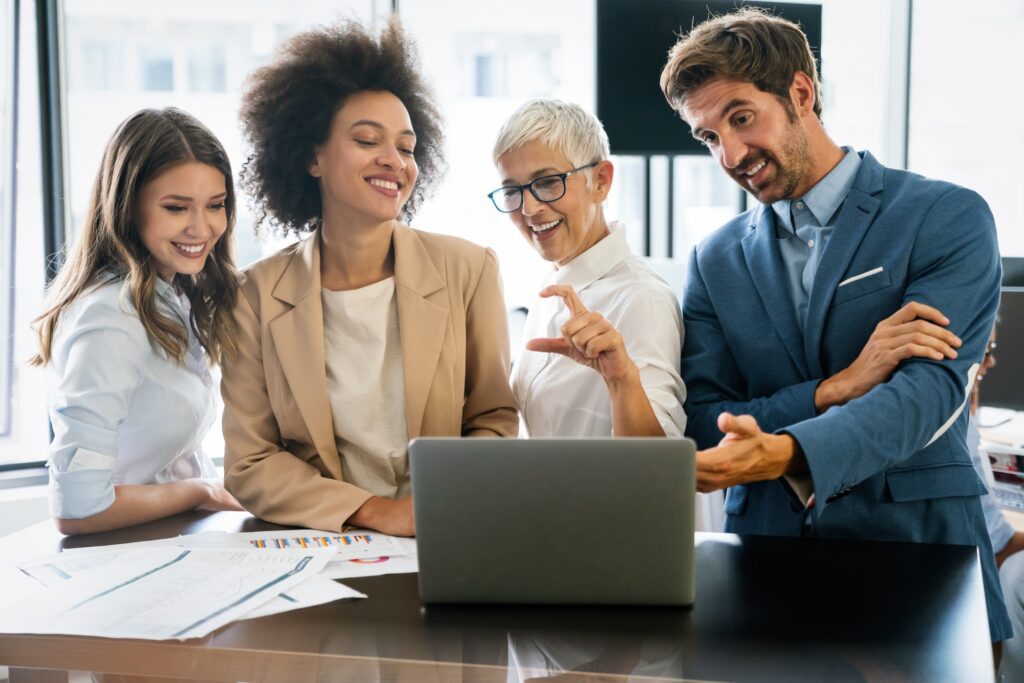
<point x="823" y="382"/>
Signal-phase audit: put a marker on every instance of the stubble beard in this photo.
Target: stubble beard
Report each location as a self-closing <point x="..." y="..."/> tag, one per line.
<point x="790" y="170"/>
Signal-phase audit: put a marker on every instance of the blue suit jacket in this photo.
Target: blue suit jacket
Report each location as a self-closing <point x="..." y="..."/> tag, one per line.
<point x="892" y="464"/>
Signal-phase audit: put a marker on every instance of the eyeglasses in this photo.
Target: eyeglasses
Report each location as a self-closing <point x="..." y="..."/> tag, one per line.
<point x="549" y="188"/>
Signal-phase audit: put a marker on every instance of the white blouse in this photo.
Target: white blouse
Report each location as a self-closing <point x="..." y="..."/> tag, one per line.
<point x="366" y="384"/>
<point x="122" y="411"/>
<point x="559" y="397"/>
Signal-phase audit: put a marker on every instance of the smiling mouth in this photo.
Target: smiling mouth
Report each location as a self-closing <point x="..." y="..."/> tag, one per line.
<point x="755" y="169"/>
<point x="190" y="249"/>
<point x="545" y="227"/>
<point x="385" y="184"/>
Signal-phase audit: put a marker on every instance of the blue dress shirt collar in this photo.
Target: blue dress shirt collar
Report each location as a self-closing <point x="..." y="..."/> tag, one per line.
<point x="825" y="198"/>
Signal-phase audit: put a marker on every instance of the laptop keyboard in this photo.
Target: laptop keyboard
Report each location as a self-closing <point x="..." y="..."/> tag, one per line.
<point x="1009" y="496"/>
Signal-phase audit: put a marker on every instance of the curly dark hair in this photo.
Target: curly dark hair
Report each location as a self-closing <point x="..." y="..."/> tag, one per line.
<point x="288" y="107"/>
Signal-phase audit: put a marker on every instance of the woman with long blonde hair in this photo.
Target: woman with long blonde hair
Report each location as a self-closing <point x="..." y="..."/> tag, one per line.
<point x="138" y="312"/>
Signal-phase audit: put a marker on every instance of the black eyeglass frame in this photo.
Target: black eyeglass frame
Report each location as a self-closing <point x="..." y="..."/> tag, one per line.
<point x="529" y="186"/>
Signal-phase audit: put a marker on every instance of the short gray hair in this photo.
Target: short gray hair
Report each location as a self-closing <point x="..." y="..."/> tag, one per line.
<point x="563" y="126"/>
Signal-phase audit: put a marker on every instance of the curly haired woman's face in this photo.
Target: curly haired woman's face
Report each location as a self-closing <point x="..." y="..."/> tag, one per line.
<point x="366" y="168"/>
<point x="180" y="215"/>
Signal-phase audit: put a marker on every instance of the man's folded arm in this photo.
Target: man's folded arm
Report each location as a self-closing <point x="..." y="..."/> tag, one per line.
<point x="955" y="267"/>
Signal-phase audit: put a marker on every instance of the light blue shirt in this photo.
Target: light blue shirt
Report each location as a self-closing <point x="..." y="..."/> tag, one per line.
<point x="122" y="411"/>
<point x="999" y="530"/>
<point x="804" y="227"/>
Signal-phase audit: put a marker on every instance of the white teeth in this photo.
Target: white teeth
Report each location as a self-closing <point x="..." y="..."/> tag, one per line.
<point x="386" y="184"/>
<point x="190" y="248"/>
<point x="544" y="227"/>
<point x="755" y="169"/>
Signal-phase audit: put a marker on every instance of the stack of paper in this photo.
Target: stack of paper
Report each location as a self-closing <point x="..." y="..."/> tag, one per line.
<point x="188" y="586"/>
<point x="1001" y="426"/>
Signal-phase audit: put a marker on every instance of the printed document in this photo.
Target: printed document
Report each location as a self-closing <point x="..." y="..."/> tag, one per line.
<point x="164" y="592"/>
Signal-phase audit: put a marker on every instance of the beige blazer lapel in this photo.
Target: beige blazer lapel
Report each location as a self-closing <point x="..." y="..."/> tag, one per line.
<point x="423" y="319"/>
<point x="298" y="336"/>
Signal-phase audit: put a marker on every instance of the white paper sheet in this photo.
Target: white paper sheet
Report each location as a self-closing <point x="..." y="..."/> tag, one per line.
<point x="406" y="563"/>
<point x="53" y="570"/>
<point x="382" y="555"/>
<point x="57" y="569"/>
<point x="318" y="590"/>
<point x="1001" y="426"/>
<point x="164" y="593"/>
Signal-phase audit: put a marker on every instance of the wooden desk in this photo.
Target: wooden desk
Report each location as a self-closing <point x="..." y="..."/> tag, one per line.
<point x="768" y="609"/>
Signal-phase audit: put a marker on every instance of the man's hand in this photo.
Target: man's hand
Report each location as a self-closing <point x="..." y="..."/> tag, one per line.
<point x="393" y="517"/>
<point x="588" y="339"/>
<point x="746" y="455"/>
<point x="914" y="331"/>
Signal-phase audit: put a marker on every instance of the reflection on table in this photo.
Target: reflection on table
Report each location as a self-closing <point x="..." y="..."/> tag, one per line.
<point x="767" y="609"/>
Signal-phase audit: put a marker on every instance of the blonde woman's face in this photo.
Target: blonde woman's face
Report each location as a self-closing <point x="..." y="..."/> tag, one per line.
<point x="562" y="229"/>
<point x="180" y="215"/>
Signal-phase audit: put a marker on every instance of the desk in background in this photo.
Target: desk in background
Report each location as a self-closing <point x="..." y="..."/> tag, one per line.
<point x="768" y="609"/>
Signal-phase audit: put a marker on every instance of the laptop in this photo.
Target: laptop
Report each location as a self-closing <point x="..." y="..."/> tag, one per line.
<point x="554" y="521"/>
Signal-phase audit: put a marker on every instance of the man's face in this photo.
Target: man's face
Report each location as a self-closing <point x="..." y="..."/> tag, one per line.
<point x="759" y="141"/>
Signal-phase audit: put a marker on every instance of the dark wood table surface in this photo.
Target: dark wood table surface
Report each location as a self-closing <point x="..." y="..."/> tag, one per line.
<point x="767" y="609"/>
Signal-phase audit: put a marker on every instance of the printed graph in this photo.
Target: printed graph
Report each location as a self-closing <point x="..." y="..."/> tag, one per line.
<point x="294" y="542"/>
<point x="358" y="543"/>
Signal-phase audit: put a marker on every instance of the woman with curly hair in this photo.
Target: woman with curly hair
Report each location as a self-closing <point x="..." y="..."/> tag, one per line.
<point x="140" y="308"/>
<point x="366" y="333"/>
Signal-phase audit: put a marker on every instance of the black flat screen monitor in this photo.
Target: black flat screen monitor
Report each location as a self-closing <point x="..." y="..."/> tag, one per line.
<point x="1003" y="386"/>
<point x="633" y="40"/>
<point x="1013" y="271"/>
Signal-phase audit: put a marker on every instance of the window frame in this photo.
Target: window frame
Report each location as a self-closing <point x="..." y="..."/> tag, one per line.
<point x="9" y="180"/>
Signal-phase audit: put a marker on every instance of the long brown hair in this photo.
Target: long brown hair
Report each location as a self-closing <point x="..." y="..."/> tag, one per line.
<point x="145" y="145"/>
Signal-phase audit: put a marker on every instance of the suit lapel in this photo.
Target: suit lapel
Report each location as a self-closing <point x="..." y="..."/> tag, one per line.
<point x="855" y="217"/>
<point x="761" y="251"/>
<point x="299" y="338"/>
<point x="422" y="318"/>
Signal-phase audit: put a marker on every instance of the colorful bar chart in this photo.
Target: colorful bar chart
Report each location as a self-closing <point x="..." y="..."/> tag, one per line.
<point x="349" y="546"/>
<point x="285" y="542"/>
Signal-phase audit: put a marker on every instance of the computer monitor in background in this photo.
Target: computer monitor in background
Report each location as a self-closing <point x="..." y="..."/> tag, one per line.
<point x="1003" y="386"/>
<point x="633" y="40"/>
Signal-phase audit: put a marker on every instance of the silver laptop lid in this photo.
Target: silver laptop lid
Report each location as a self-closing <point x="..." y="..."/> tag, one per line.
<point x="576" y="521"/>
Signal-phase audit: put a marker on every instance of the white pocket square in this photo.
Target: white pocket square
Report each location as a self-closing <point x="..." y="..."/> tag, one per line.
<point x="863" y="275"/>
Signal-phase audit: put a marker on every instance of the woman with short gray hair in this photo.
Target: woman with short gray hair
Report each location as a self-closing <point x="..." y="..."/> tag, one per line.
<point x="605" y="332"/>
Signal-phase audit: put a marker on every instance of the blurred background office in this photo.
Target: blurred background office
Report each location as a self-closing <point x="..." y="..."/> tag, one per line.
<point x="931" y="86"/>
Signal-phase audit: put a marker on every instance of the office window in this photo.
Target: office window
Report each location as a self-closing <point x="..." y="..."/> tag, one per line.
<point x="102" y="65"/>
<point x="23" y="432"/>
<point x="483" y="64"/>
<point x="7" y="160"/>
<point x="207" y="68"/>
<point x="156" y="68"/>
<point x="965" y="92"/>
<point x="519" y="65"/>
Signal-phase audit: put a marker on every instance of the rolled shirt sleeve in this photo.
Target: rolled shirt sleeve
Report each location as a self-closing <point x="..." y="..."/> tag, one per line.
<point x="96" y="366"/>
<point x="999" y="530"/>
<point x="652" y="330"/>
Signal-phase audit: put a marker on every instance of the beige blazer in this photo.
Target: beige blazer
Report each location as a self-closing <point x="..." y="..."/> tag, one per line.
<point x="281" y="461"/>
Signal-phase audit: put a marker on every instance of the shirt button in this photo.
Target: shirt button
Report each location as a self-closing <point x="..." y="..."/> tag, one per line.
<point x="207" y="380"/>
<point x="799" y="205"/>
<point x="810" y="243"/>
